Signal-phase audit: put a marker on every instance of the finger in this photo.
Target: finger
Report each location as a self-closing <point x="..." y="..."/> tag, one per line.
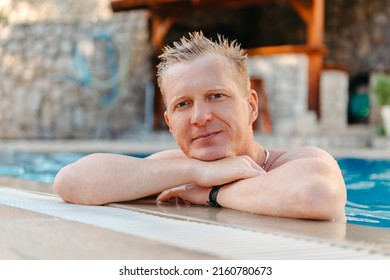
<point x="253" y="164"/>
<point x="249" y="173"/>
<point x="181" y="203"/>
<point x="252" y="170"/>
<point x="187" y="203"/>
<point x="164" y="196"/>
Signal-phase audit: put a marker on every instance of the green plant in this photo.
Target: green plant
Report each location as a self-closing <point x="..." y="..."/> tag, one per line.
<point x="382" y="90"/>
<point x="381" y="130"/>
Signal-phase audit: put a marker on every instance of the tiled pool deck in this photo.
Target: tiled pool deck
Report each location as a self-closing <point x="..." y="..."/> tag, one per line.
<point x="36" y="224"/>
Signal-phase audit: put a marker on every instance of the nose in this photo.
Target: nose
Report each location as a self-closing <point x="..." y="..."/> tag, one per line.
<point x="201" y="114"/>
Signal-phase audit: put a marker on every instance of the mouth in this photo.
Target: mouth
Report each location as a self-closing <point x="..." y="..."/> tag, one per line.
<point x="205" y="136"/>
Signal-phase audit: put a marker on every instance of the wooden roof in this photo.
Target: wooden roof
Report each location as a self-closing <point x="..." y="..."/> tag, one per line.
<point x="164" y="13"/>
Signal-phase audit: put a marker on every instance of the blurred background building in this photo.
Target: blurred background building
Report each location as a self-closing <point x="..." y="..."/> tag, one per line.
<point x="77" y="70"/>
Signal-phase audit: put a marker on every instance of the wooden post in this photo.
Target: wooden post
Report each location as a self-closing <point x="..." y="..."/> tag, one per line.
<point x="313" y="16"/>
<point x="264" y="115"/>
<point x="160" y="28"/>
<point x="315" y="34"/>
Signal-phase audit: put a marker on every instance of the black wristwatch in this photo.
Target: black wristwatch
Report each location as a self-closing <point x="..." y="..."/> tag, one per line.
<point x="213" y="196"/>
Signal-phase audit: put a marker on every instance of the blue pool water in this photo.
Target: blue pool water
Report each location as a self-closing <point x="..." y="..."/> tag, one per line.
<point x="368" y="191"/>
<point x="368" y="181"/>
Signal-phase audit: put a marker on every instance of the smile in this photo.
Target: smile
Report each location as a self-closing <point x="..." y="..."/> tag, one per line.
<point x="205" y="136"/>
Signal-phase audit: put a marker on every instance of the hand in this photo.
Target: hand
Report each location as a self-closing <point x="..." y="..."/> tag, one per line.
<point x="227" y="170"/>
<point x="190" y="193"/>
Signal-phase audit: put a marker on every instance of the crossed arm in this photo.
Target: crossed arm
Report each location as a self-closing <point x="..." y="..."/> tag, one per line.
<point x="103" y="178"/>
<point x="304" y="183"/>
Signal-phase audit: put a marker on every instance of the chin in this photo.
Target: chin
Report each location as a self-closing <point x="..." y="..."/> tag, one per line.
<point x="207" y="155"/>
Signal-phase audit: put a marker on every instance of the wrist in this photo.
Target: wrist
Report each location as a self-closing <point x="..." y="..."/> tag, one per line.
<point x="190" y="168"/>
<point x="196" y="172"/>
<point x="213" y="194"/>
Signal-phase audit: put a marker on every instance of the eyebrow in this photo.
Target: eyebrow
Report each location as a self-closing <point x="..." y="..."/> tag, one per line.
<point x="175" y="100"/>
<point x="217" y="87"/>
<point x="213" y="89"/>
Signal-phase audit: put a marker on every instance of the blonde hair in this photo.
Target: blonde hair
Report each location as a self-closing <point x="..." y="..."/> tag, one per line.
<point x="198" y="45"/>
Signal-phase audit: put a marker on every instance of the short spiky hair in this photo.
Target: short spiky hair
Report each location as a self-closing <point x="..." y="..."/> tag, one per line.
<point x="197" y="45"/>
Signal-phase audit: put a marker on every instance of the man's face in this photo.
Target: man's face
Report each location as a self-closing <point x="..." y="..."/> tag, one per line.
<point x="208" y="114"/>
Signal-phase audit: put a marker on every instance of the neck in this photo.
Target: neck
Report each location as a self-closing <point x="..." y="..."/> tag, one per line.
<point x="262" y="156"/>
<point x="257" y="153"/>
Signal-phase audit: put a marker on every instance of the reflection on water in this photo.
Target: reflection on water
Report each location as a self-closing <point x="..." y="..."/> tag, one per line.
<point x="34" y="166"/>
<point x="368" y="181"/>
<point x="368" y="191"/>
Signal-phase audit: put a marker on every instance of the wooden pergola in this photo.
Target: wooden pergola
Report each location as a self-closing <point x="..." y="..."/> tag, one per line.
<point x="164" y="13"/>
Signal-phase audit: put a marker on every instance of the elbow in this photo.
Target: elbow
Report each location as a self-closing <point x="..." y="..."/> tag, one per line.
<point x="324" y="194"/>
<point x="70" y="186"/>
<point x="64" y="185"/>
<point x="325" y="201"/>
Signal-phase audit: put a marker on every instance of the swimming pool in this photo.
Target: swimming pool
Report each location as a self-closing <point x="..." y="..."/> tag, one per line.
<point x="368" y="191"/>
<point x="368" y="181"/>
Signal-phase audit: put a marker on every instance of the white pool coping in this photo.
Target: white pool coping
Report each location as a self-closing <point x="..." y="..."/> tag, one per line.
<point x="198" y="231"/>
<point x="223" y="241"/>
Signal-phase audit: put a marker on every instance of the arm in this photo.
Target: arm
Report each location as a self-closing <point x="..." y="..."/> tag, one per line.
<point x="103" y="178"/>
<point x="304" y="183"/>
<point x="311" y="187"/>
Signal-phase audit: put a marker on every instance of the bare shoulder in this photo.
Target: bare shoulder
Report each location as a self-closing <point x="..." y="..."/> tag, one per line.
<point x="279" y="158"/>
<point x="168" y="154"/>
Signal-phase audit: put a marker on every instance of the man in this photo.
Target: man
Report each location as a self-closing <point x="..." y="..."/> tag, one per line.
<point x="210" y="110"/>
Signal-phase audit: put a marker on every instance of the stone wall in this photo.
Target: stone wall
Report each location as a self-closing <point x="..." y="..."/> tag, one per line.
<point x="357" y="34"/>
<point x="30" y="11"/>
<point x="334" y="101"/>
<point x="285" y="80"/>
<point x="55" y="74"/>
<point x="41" y="95"/>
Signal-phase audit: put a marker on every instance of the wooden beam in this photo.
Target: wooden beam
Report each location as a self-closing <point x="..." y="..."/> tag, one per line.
<point x="315" y="34"/>
<point x="127" y="5"/>
<point x="271" y="50"/>
<point x="186" y="6"/>
<point x="303" y="11"/>
<point x="160" y="28"/>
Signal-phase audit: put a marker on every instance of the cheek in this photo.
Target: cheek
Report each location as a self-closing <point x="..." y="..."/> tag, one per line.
<point x="240" y="115"/>
<point x="178" y="124"/>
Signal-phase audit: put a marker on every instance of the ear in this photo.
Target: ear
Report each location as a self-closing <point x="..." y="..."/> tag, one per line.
<point x="166" y="118"/>
<point x="253" y="103"/>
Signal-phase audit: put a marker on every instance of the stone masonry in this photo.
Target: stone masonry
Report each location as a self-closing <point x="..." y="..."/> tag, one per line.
<point x="41" y="92"/>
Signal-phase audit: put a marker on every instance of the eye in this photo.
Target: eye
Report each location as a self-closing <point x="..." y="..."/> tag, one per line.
<point x="182" y="104"/>
<point x="216" y="95"/>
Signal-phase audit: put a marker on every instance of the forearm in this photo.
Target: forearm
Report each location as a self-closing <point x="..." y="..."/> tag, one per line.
<point x="104" y="178"/>
<point x="284" y="192"/>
